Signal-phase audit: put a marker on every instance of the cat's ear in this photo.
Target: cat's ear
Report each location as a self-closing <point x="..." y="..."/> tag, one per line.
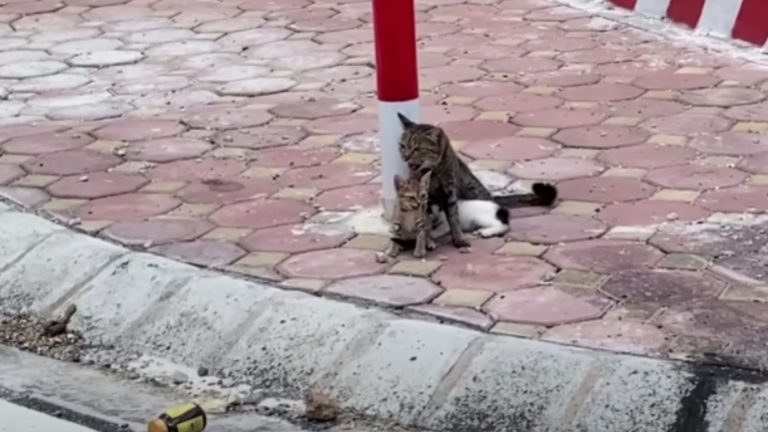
<point x="399" y="182"/>
<point x="405" y="121"/>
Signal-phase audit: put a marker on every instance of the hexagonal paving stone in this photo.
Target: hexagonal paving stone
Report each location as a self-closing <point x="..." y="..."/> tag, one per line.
<point x="227" y="191"/>
<point x="333" y="264"/>
<point x="70" y="162"/>
<point x="696" y="177"/>
<point x="603" y="256"/>
<point x="621" y="336"/>
<point x="294" y="156"/>
<point x="387" y="289"/>
<point x="686" y="124"/>
<point x="461" y="315"/>
<point x="349" y="198"/>
<point x="645" y="108"/>
<point x="256" y="86"/>
<point x="60" y="81"/>
<point x="601" y="136"/>
<point x="546" y="306"/>
<point x="560" y="78"/>
<point x="439" y="114"/>
<point x="227" y="116"/>
<point x="605" y="189"/>
<point x="260" y="137"/>
<point x="559" y="118"/>
<point x="492" y="273"/>
<point x="601" y="92"/>
<point x="519" y="102"/>
<point x="650" y="212"/>
<point x="731" y="143"/>
<point x="190" y="170"/>
<point x="25" y="196"/>
<point x="157" y="231"/>
<point x="647" y="156"/>
<point x="127" y="207"/>
<point x="556" y="168"/>
<point x="676" y="81"/>
<point x="9" y="173"/>
<point x="135" y="129"/>
<point x="755" y="112"/>
<point x="293" y="239"/>
<point x="166" y="149"/>
<point x="46" y="142"/>
<point x="451" y="74"/>
<point x="478" y="130"/>
<point x="96" y="185"/>
<point x="29" y="69"/>
<point x="329" y="176"/>
<point x="598" y="55"/>
<point x="480" y="88"/>
<point x="722" y="97"/>
<point x="757" y="164"/>
<point x="515" y="65"/>
<point x="511" y="148"/>
<point x="208" y="253"/>
<point x="343" y="124"/>
<point x="106" y="58"/>
<point x="555" y="228"/>
<point x="262" y="213"/>
<point x="662" y="287"/>
<point x="316" y="108"/>
<point x="736" y="200"/>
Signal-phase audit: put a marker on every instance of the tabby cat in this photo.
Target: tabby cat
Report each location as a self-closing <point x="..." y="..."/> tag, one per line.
<point x="427" y="150"/>
<point x="411" y="226"/>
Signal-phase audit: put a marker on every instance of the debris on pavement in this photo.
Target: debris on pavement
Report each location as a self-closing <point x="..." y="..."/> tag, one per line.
<point x="58" y="327"/>
<point x="189" y="417"/>
<point x="319" y="406"/>
<point x="52" y="339"/>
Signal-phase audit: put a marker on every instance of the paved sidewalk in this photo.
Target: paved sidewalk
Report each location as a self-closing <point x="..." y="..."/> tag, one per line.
<point x="241" y="134"/>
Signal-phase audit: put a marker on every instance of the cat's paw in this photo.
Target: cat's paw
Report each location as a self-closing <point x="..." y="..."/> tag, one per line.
<point x="419" y="252"/>
<point x="431" y="245"/>
<point x="461" y="242"/>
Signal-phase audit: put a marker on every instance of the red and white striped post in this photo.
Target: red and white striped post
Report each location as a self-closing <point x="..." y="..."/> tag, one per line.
<point x="397" y="80"/>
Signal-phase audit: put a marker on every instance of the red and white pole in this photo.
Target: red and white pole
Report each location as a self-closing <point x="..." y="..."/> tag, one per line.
<point x="397" y="80"/>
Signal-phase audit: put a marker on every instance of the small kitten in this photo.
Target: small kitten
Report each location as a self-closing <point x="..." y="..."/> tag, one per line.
<point x="482" y="217"/>
<point x="411" y="225"/>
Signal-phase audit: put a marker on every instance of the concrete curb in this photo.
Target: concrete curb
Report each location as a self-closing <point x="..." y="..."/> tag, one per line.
<point x="376" y="364"/>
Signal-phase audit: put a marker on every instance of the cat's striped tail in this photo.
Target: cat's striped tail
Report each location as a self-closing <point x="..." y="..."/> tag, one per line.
<point x="543" y="195"/>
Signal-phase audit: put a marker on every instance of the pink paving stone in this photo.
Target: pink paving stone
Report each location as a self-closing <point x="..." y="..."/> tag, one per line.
<point x="314" y="109"/>
<point x="722" y="97"/>
<point x="325" y="25"/>
<point x="493" y="273"/>
<point x="227" y="191"/>
<point x="301" y="14"/>
<point x="292" y="239"/>
<point x="559" y="43"/>
<point x="521" y="65"/>
<point x="603" y="256"/>
<point x="485" y="52"/>
<point x="273" y="5"/>
<point x="70" y="162"/>
<point x="480" y="88"/>
<point x="736" y="200"/>
<point x="329" y="176"/>
<point x="644" y="108"/>
<point x="461" y="315"/>
<point x="559" y="118"/>
<point x="756" y="112"/>
<point x="601" y="136"/>
<point x="341" y="263"/>
<point x="24" y="129"/>
<point x="25" y="196"/>
<point x="207" y="253"/>
<point x="260" y="137"/>
<point x="622" y="336"/>
<point x="31" y="7"/>
<point x="133" y="129"/>
<point x="226" y="116"/>
<point x="661" y="287"/>
<point x="605" y="189"/>
<point x="601" y="92"/>
<point x="554" y="169"/>
<point x="47" y="142"/>
<point x="9" y="173"/>
<point x="597" y="56"/>
<point x="349" y="198"/>
<point x="647" y="156"/>
<point x="465" y="10"/>
<point x="519" y="102"/>
<point x="427" y="59"/>
<point x="757" y="164"/>
<point x="392" y="290"/>
<point x="262" y="213"/>
<point x="191" y="170"/>
<point x="555" y="228"/>
<point x="157" y="231"/>
<point x="511" y="148"/>
<point x="686" y="124"/>
<point x="337" y="73"/>
<point x="294" y="156"/>
<point x="650" y="212"/>
<point x="547" y="306"/>
<point x="634" y="69"/>
<point x="343" y="125"/>
<point x="556" y="13"/>
<point x="363" y="143"/>
<point x="676" y="81"/>
<point x="451" y="74"/>
<point x="478" y="130"/>
<point x="97" y="185"/>
<point x="560" y="78"/>
<point x="166" y="149"/>
<point x="731" y="143"/>
<point x="439" y="114"/>
<point x="697" y="177"/>
<point x="127" y="207"/>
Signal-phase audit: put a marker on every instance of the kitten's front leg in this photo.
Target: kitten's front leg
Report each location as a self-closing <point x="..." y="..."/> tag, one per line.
<point x="394" y="249"/>
<point x="452" y="214"/>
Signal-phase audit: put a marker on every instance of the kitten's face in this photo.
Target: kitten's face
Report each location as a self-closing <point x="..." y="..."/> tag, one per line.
<point x="412" y="197"/>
